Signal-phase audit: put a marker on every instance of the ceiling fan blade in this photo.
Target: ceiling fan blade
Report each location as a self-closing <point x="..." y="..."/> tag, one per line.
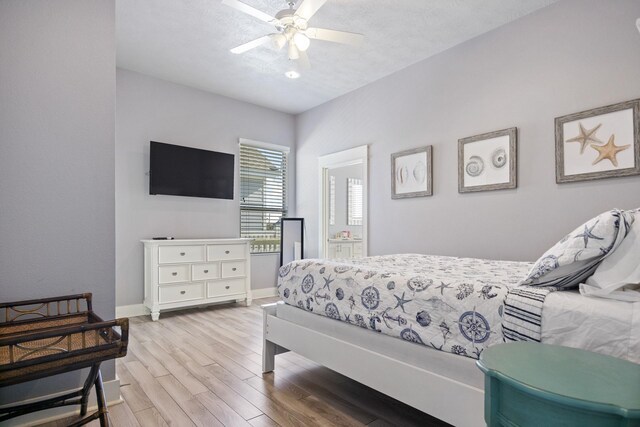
<point x="303" y="60"/>
<point x="250" y="45"/>
<point x="308" y="8"/>
<point x="250" y="11"/>
<point x="343" y="37"/>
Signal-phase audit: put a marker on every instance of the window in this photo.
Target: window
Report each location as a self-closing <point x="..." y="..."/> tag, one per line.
<point x="263" y="194"/>
<point x="355" y="201"/>
<point x="332" y="200"/>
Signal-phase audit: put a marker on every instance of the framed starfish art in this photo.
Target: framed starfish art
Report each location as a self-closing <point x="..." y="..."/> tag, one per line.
<point x="599" y="143"/>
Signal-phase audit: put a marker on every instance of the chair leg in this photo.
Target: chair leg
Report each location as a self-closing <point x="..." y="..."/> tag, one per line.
<point x="102" y="403"/>
<point x="86" y="389"/>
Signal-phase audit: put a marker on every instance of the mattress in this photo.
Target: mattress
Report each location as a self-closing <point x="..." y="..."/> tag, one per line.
<point x="446" y="303"/>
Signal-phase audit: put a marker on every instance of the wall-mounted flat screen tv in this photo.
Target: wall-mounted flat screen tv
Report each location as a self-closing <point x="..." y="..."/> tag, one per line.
<point x="186" y="171"/>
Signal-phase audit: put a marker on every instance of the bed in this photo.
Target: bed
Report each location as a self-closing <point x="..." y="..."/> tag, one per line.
<point x="425" y="319"/>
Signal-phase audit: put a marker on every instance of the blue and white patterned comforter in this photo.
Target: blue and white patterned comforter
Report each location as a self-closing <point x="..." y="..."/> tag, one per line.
<point x="450" y="304"/>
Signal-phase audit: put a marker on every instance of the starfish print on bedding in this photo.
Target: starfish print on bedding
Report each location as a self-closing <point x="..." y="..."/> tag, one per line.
<point x="442" y="287"/>
<point x="585" y="137"/>
<point x="609" y="151"/>
<point x="401" y="302"/>
<point x="587" y="234"/>
<point x="327" y="282"/>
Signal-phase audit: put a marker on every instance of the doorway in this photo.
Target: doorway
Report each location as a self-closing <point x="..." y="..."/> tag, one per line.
<point x="343" y="204"/>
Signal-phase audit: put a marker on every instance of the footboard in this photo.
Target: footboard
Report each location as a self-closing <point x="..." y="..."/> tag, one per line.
<point x="437" y="395"/>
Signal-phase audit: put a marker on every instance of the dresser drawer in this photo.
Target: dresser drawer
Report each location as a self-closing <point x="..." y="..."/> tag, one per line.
<point x="173" y="273"/>
<point x="173" y="254"/>
<point x="215" y="252"/>
<point x="233" y="269"/>
<point x="225" y="287"/>
<point x="205" y="271"/>
<point x="178" y="293"/>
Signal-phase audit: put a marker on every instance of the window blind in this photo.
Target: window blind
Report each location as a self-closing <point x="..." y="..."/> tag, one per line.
<point x="332" y="200"/>
<point x="263" y="196"/>
<point x="354" y="215"/>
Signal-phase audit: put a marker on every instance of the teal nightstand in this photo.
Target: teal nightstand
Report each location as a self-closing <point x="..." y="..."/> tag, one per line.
<point x="531" y="384"/>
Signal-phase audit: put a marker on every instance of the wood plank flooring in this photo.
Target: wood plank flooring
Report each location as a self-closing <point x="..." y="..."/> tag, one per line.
<point x="202" y="367"/>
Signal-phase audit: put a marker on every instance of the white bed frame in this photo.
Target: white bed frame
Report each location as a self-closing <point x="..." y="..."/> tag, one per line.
<point x="440" y="396"/>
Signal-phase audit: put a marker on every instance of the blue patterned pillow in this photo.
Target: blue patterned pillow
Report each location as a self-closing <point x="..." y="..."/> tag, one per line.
<point x="574" y="258"/>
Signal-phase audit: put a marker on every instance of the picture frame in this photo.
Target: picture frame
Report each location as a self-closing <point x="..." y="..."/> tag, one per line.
<point x="600" y="143"/>
<point x="488" y="161"/>
<point x="412" y="173"/>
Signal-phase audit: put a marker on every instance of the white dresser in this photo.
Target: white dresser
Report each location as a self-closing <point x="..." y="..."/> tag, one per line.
<point x="190" y="272"/>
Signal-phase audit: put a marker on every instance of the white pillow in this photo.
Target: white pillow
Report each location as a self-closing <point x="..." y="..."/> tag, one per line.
<point x="618" y="276"/>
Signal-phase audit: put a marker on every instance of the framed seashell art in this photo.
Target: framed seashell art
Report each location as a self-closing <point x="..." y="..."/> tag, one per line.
<point x="412" y="173"/>
<point x="488" y="161"/>
<point x="599" y="143"/>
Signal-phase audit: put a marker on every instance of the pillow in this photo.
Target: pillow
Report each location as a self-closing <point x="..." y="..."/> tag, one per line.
<point x="618" y="276"/>
<point x="574" y="258"/>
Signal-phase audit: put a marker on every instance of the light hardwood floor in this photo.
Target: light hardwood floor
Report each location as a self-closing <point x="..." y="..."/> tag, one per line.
<point x="202" y="367"/>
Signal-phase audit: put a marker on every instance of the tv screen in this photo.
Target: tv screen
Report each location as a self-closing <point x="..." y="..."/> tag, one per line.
<point x="185" y="171"/>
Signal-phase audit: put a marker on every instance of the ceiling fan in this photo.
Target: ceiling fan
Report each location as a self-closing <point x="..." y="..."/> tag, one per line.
<point x="293" y="30"/>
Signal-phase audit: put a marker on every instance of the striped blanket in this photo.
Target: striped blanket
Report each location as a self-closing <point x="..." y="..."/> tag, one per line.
<point x="522" y="315"/>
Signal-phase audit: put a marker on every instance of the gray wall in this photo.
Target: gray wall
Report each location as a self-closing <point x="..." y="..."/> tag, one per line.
<point x="57" y="125"/>
<point x="157" y="110"/>
<point x="569" y="57"/>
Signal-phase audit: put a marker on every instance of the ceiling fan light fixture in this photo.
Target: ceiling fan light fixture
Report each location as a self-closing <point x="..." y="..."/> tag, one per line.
<point x="294" y="53"/>
<point x="279" y="40"/>
<point x="302" y="42"/>
<point x="292" y="74"/>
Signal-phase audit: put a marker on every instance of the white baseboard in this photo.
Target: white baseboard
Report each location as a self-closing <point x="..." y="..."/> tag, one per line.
<point x="134" y="310"/>
<point x="111" y="392"/>
<point x="264" y="293"/>
<point x="131" y="310"/>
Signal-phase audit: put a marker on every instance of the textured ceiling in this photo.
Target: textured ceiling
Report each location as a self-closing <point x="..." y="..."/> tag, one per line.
<point x="188" y="42"/>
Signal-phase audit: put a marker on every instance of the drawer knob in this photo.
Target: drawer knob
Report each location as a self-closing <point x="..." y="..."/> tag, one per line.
<point x="175" y="273"/>
<point x="182" y="254"/>
<point x="183" y="292"/>
<point x="206" y="271"/>
<point x="226" y="252"/>
<point x="226" y="287"/>
<point x="233" y="269"/>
